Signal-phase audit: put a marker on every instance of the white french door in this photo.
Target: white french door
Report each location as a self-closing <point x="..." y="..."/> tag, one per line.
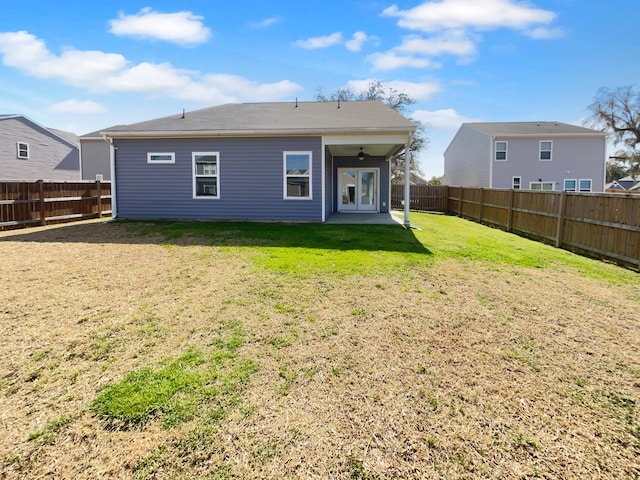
<point x="358" y="189"/>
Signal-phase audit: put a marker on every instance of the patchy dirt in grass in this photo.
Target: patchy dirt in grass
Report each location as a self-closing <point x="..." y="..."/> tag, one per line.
<point x="453" y="370"/>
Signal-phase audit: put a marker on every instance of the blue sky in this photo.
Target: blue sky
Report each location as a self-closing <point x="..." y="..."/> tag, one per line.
<point x="82" y="66"/>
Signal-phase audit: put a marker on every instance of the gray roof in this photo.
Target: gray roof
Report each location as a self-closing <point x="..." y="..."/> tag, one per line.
<point x="274" y="118"/>
<point x="505" y="129"/>
<point x="67" y="137"/>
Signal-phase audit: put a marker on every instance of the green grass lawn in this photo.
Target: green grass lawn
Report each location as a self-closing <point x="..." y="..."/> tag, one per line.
<point x="264" y="350"/>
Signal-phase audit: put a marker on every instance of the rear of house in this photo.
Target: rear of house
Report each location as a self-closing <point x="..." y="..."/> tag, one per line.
<point x="30" y="152"/>
<point x="263" y="161"/>
<point x="527" y="155"/>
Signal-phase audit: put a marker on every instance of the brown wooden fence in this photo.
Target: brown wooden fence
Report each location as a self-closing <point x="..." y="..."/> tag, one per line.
<point x="601" y="225"/>
<point x="425" y="198"/>
<point x="24" y="204"/>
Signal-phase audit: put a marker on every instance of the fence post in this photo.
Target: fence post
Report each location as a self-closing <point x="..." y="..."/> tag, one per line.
<point x="99" y="195"/>
<point x="560" y="226"/>
<point x="480" y="210"/>
<point x="510" y="211"/>
<point x="460" y="202"/>
<point x="43" y="211"/>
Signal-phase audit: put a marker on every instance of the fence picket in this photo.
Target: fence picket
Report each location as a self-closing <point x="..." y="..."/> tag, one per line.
<point x="24" y="204"/>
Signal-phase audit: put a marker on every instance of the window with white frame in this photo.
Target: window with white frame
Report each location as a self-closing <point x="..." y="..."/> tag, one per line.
<point x="23" y="150"/>
<point x="545" y="150"/>
<point x="501" y="151"/>
<point x="516" y="183"/>
<point x="165" y="157"/>
<point x="584" y="185"/>
<point x="570" y="185"/>
<point x="206" y="174"/>
<point x="545" y="186"/>
<point x="297" y="175"/>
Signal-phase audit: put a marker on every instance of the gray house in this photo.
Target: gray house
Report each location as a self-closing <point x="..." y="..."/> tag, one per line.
<point x="258" y="161"/>
<point x="29" y="151"/>
<point x="526" y="155"/>
<point x="95" y="157"/>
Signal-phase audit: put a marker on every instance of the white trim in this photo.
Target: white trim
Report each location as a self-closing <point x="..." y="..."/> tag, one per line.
<point x="550" y="150"/>
<point x="513" y="183"/>
<point x="112" y="169"/>
<point x="585" y="180"/>
<point x="172" y="158"/>
<point x="495" y="151"/>
<point x="357" y="206"/>
<point x="553" y="186"/>
<point x="323" y="179"/>
<point x="373" y="138"/>
<point x="196" y="176"/>
<point x="285" y="175"/>
<point x="564" y="185"/>
<point x="18" y="150"/>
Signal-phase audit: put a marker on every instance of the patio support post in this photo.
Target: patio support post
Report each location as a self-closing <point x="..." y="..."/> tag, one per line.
<point x="407" y="181"/>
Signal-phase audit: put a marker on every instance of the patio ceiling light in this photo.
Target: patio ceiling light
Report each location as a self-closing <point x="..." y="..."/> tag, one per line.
<point x="361" y="155"/>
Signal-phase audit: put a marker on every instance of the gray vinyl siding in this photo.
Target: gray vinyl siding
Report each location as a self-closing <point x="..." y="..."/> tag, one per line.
<point x="571" y="158"/>
<point x="251" y="180"/>
<point x="467" y="159"/>
<point x="94" y="156"/>
<point x="372" y="162"/>
<point x="50" y="158"/>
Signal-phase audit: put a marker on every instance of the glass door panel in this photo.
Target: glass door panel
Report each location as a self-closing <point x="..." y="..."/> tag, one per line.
<point x="368" y="190"/>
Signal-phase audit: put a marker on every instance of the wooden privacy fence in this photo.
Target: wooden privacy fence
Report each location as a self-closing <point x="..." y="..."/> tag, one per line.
<point x="25" y="204"/>
<point x="426" y="198"/>
<point x="601" y="225"/>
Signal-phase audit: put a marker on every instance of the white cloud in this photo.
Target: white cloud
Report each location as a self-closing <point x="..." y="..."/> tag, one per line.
<point x="453" y="42"/>
<point x="267" y="22"/>
<point x="391" y="60"/>
<point x="320" y="42"/>
<point x="416" y="90"/>
<point x="453" y="27"/>
<point x="355" y="44"/>
<point x="107" y="72"/>
<point x="81" y="107"/>
<point x="543" y="33"/>
<point x="183" y="28"/>
<point x="485" y="14"/>
<point x="445" y="119"/>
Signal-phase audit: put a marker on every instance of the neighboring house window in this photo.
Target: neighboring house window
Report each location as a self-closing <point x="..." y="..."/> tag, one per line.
<point x="501" y="151"/>
<point x="297" y="175"/>
<point x="206" y="175"/>
<point x="545" y="150"/>
<point x="585" y="185"/>
<point x="516" y="182"/>
<point x="169" y="157"/>
<point x="570" y="185"/>
<point x="23" y="150"/>
<point x="546" y="186"/>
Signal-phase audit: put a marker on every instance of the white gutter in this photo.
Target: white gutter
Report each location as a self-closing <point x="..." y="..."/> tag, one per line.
<point x="112" y="168"/>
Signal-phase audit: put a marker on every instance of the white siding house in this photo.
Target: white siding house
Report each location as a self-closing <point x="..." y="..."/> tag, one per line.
<point x="29" y="151"/>
<point x="526" y="155"/>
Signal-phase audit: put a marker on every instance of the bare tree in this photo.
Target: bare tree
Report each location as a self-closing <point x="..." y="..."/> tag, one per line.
<point x="617" y="110"/>
<point x="400" y="103"/>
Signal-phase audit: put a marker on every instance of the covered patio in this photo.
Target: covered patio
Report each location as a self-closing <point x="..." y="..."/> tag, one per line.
<point x="392" y="218"/>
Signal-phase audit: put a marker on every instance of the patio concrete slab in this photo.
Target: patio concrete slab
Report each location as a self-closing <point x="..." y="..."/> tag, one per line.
<point x="364" y="218"/>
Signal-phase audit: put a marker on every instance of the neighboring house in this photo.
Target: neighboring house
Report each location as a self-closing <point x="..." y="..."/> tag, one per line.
<point x="95" y="157"/>
<point x="627" y="184"/>
<point x="29" y="151"/>
<point x="526" y="155"/>
<point x="258" y="161"/>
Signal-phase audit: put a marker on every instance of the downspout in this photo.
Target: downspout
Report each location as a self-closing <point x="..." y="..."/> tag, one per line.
<point x="112" y="168"/>
<point x="407" y="181"/>
<point x="492" y="157"/>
